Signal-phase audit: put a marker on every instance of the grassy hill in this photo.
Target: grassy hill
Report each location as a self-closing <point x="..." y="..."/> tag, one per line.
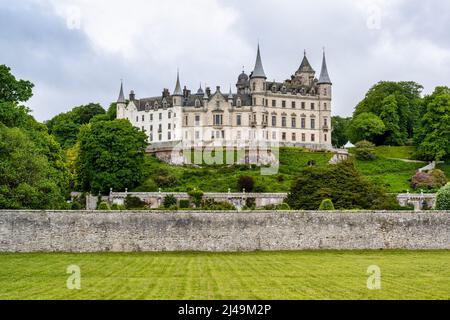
<point x="388" y="170"/>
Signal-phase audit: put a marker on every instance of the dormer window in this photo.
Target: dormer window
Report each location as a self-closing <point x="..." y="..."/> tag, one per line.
<point x="283" y="89"/>
<point x="274" y="88"/>
<point x="239" y="102"/>
<point x="197" y="103"/>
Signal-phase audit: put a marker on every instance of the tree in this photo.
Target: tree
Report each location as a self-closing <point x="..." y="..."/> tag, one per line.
<point x="342" y="184"/>
<point x="365" y="151"/>
<point x="66" y="126"/>
<point x="340" y="127"/>
<point x="28" y="179"/>
<point x="111" y="155"/>
<point x="443" y="198"/>
<point x="13" y="90"/>
<point x="433" y="136"/>
<point x="399" y="105"/>
<point x="365" y="126"/>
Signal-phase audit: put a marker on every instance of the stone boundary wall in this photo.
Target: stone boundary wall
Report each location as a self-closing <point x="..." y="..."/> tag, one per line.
<point x="83" y="231"/>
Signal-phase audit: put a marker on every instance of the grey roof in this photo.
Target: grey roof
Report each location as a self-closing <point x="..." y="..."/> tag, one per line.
<point x="178" y="91"/>
<point x="152" y="103"/>
<point x="200" y="91"/>
<point x="121" y="98"/>
<point x="324" y="77"/>
<point x="258" y="72"/>
<point x="305" y="66"/>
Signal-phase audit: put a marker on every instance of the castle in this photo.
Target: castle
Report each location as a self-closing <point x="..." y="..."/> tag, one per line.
<point x="296" y="112"/>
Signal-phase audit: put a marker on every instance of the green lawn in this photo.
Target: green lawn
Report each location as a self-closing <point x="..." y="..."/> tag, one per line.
<point x="260" y="275"/>
<point x="405" y="152"/>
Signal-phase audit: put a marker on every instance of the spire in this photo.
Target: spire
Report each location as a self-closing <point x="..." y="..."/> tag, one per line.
<point x="259" y="70"/>
<point x="305" y="66"/>
<point x="121" y="98"/>
<point x="324" y="77"/>
<point x="178" y="91"/>
<point x="230" y="95"/>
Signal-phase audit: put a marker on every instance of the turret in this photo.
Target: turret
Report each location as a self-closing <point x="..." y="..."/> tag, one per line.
<point x="121" y="103"/>
<point x="177" y="94"/>
<point x="230" y="97"/>
<point x="324" y="83"/>
<point x="305" y="73"/>
<point x="258" y="77"/>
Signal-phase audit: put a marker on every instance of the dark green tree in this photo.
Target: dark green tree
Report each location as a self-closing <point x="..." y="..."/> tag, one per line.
<point x="342" y="184"/>
<point x="340" y="127"/>
<point x="433" y="136"/>
<point x="111" y="155"/>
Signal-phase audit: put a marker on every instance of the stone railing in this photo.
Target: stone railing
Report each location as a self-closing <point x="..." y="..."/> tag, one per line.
<point x="420" y="201"/>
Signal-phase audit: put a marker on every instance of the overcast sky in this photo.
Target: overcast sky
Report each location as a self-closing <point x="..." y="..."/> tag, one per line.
<point x="76" y="51"/>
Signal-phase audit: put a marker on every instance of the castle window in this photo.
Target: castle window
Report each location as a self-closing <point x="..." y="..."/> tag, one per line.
<point x="169" y="126"/>
<point x="303" y="123"/>
<point x="160" y="137"/>
<point x="313" y="123"/>
<point x="325" y="137"/>
<point x="283" y="104"/>
<point x="283" y="122"/>
<point x="274" y="121"/>
<point x="283" y="136"/>
<point x="197" y="120"/>
<point x="294" y="137"/>
<point x="274" y="103"/>
<point x="169" y="136"/>
<point x="239" y="102"/>
<point x="160" y="116"/>
<point x="151" y="137"/>
<point x="303" y="105"/>
<point x="274" y="135"/>
<point x="313" y="138"/>
<point x="325" y="106"/>
<point x="325" y="91"/>
<point x="197" y="135"/>
<point x="137" y="118"/>
<point x="254" y="86"/>
<point x="197" y="103"/>
<point x="267" y="103"/>
<point x="313" y="106"/>
<point x="186" y="120"/>
<point x="239" y="120"/>
<point x="143" y="118"/>
<point x="325" y="122"/>
<point x="170" y="115"/>
<point x="293" y="105"/>
<point x="294" y="122"/>
<point x="151" y="117"/>
<point x="303" y="137"/>
<point x="274" y="88"/>
<point x="218" y="119"/>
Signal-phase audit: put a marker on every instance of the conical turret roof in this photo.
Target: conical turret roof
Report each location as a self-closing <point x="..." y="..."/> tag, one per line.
<point x="258" y="72"/>
<point x="305" y="66"/>
<point x="324" y="77"/>
<point x="178" y="91"/>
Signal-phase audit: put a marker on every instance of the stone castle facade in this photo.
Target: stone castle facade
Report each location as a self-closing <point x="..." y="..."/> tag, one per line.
<point x="296" y="112"/>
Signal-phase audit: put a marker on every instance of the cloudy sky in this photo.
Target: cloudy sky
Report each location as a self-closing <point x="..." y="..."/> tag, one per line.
<point x="76" y="51"/>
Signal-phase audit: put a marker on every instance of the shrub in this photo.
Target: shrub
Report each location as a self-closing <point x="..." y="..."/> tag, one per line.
<point x="169" y="201"/>
<point x="103" y="206"/>
<point x="443" y="198"/>
<point x="117" y="207"/>
<point x="210" y="204"/>
<point x="197" y="197"/>
<point x="327" y="205"/>
<point x="250" y="204"/>
<point x="283" y="207"/>
<point x="75" y="206"/>
<point x="365" y="150"/>
<point x="165" y="180"/>
<point x="342" y="183"/>
<point x="173" y="207"/>
<point x="429" y="180"/>
<point x="134" y="203"/>
<point x="185" y="204"/>
<point x="247" y="183"/>
<point x="260" y="188"/>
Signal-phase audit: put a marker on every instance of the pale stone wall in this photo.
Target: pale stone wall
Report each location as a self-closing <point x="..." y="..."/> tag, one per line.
<point x="41" y="231"/>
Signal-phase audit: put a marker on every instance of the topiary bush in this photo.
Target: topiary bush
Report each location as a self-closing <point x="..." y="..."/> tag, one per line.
<point x="326" y="205"/>
<point x="117" y="207"/>
<point x="103" y="206"/>
<point x="197" y="197"/>
<point x="443" y="198"/>
<point x="169" y="201"/>
<point x="365" y="150"/>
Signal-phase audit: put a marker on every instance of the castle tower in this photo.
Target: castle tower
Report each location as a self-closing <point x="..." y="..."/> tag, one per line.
<point x="325" y="84"/>
<point x="258" y="77"/>
<point x="305" y="73"/>
<point x="121" y="103"/>
<point x="177" y="94"/>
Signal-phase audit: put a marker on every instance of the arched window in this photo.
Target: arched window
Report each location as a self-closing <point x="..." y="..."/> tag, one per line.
<point x="254" y="86"/>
